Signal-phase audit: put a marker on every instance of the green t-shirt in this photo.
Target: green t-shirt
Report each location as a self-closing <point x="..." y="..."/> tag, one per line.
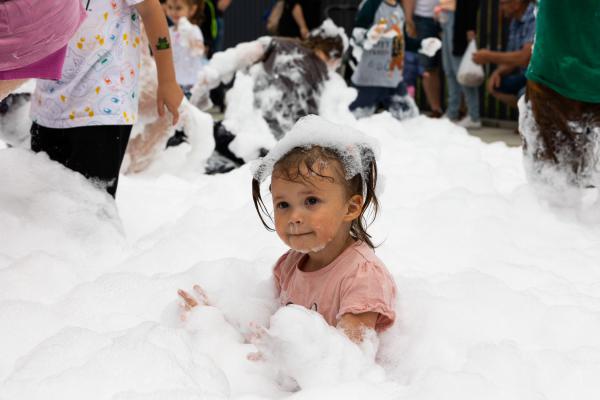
<point x="566" y="52"/>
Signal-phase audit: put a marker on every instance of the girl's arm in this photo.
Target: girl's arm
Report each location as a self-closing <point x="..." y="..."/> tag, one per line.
<point x="354" y="325"/>
<point x="223" y="66"/>
<point x="168" y="92"/>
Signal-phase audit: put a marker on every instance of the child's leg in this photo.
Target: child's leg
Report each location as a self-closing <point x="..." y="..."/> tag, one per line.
<point x="94" y="151"/>
<point x="400" y="104"/>
<point x="366" y="101"/>
<point x="144" y="147"/>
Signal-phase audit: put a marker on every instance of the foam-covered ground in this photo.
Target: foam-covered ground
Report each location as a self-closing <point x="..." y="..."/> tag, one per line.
<point x="499" y="294"/>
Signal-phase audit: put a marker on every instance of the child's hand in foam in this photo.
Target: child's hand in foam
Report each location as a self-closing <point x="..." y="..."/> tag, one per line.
<point x="190" y="301"/>
<point x="259" y="337"/>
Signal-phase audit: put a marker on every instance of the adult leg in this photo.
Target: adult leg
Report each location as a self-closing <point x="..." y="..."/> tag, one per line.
<point x="450" y="66"/>
<point x="509" y="89"/>
<point x="472" y="99"/>
<point x="508" y="99"/>
<point x="428" y="27"/>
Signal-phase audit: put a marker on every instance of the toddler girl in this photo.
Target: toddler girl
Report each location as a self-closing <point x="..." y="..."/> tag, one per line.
<point x="323" y="179"/>
<point x="188" y="43"/>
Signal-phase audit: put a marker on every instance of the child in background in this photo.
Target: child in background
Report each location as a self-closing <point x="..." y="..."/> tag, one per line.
<point x="323" y="180"/>
<point x="84" y="120"/>
<point x="380" y="34"/>
<point x="188" y="43"/>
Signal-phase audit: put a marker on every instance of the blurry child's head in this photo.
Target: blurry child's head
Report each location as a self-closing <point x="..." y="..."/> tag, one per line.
<point x="318" y="197"/>
<point x="190" y="9"/>
<point x="329" y="42"/>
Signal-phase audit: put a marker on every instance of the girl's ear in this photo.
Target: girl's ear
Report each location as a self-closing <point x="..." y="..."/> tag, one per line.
<point x="193" y="11"/>
<point x="355" y="206"/>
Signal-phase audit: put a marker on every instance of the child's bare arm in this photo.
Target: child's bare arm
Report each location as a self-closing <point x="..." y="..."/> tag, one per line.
<point x="354" y="325"/>
<point x="168" y="92"/>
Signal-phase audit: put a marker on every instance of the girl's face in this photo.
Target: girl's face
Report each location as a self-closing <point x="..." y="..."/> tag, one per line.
<point x="176" y="9"/>
<point x="311" y="213"/>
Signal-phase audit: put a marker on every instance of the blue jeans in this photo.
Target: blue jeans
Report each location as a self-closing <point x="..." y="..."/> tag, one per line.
<point x="513" y="84"/>
<point x="395" y="100"/>
<point x="451" y="64"/>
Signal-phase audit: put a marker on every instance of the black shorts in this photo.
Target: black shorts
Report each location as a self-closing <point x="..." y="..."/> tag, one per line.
<point x="94" y="151"/>
<point x="428" y="27"/>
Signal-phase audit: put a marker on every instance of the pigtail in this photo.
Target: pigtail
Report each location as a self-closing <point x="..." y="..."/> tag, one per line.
<point x="259" y="204"/>
<point x="366" y="185"/>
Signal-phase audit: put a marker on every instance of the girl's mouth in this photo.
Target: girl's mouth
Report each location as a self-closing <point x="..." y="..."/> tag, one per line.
<point x="299" y="234"/>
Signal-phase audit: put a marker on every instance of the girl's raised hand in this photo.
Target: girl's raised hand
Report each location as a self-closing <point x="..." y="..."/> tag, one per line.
<point x="190" y="301"/>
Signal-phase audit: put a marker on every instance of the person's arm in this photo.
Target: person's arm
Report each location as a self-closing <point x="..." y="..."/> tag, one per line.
<point x="168" y="93"/>
<point x="409" y="10"/>
<point x="298" y="15"/>
<point x="519" y="58"/>
<point x="223" y="66"/>
<point x="496" y="77"/>
<point x="355" y="325"/>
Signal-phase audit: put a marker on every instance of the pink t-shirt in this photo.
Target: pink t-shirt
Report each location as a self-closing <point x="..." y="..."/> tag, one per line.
<point x="355" y="282"/>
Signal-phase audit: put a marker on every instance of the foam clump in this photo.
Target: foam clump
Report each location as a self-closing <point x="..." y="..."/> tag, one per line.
<point x="355" y="149"/>
<point x="76" y="363"/>
<point x="329" y="29"/>
<point x="304" y="347"/>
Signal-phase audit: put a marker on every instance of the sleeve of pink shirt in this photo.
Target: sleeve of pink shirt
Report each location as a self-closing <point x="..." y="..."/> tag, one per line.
<point x="370" y="289"/>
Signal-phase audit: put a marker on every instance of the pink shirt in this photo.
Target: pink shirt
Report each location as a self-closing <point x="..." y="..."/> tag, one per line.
<point x="355" y="282"/>
<point x="31" y="30"/>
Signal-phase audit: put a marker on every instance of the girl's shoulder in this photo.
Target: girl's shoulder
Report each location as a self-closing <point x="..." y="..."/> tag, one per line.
<point x="362" y="254"/>
<point x="362" y="262"/>
<point x="285" y="264"/>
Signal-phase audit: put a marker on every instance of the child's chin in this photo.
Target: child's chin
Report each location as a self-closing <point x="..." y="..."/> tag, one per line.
<point x="315" y="248"/>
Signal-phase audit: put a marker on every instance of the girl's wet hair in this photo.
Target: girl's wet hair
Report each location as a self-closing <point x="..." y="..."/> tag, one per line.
<point x="333" y="47"/>
<point x="313" y="159"/>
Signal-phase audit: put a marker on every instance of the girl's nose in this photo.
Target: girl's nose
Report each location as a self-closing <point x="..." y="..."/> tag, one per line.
<point x="295" y="218"/>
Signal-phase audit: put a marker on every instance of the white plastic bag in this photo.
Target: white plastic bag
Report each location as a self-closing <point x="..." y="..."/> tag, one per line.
<point x="469" y="73"/>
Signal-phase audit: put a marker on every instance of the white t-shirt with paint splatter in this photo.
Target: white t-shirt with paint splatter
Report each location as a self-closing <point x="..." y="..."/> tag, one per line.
<point x="100" y="75"/>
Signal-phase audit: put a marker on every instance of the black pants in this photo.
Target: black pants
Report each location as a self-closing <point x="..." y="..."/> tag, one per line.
<point x="94" y="151"/>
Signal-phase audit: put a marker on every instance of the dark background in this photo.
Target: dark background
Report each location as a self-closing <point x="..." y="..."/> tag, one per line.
<point x="244" y="22"/>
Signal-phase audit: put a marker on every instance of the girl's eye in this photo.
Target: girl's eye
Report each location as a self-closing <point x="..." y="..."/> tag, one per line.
<point x="282" y="205"/>
<point x="311" y="201"/>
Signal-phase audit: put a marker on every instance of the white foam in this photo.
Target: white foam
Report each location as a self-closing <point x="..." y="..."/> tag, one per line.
<point x="498" y="293"/>
<point x="356" y="150"/>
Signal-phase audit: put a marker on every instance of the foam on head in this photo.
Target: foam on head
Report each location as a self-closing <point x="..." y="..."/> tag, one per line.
<point x="328" y="31"/>
<point x="354" y="150"/>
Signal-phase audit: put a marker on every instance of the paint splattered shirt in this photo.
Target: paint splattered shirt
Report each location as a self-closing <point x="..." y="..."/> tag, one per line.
<point x="100" y="75"/>
<point x="383" y="64"/>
